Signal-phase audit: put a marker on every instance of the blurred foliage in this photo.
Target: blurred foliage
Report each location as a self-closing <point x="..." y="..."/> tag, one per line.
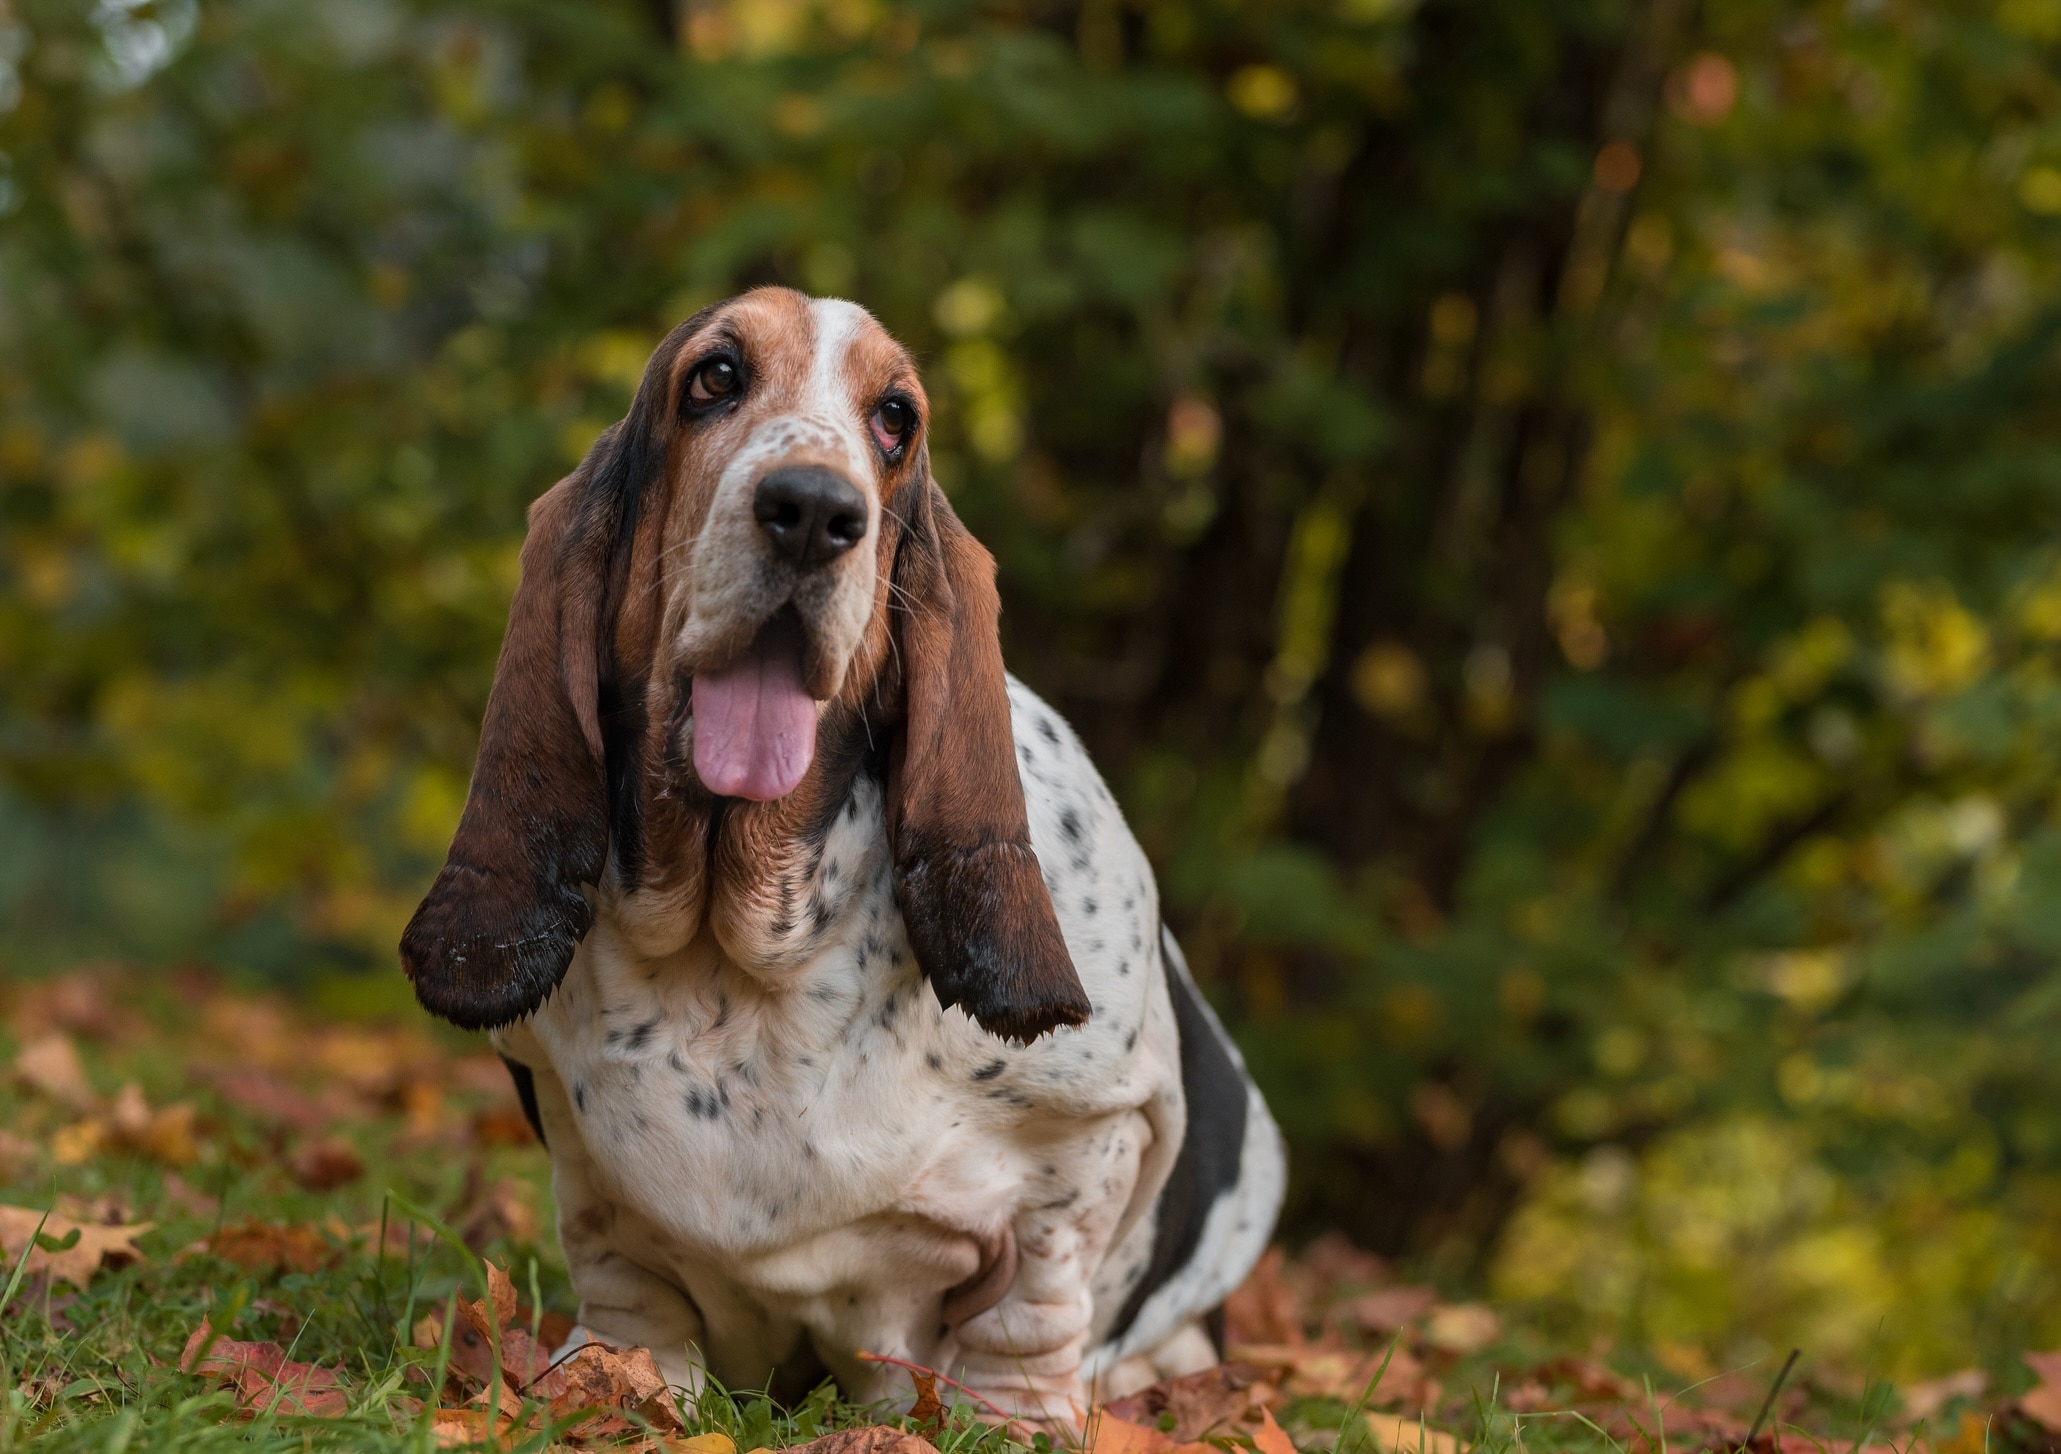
<point x="1544" y="509"/>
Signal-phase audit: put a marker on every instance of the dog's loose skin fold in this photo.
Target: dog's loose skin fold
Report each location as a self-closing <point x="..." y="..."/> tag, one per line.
<point x="768" y="1140"/>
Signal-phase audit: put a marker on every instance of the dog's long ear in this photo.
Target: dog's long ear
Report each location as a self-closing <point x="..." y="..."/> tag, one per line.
<point x="499" y="925"/>
<point x="966" y="880"/>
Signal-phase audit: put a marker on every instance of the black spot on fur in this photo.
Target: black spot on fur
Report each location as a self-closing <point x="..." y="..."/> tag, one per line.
<point x="1070" y="825"/>
<point x="526" y="1093"/>
<point x="992" y="1069"/>
<point x="580" y="1096"/>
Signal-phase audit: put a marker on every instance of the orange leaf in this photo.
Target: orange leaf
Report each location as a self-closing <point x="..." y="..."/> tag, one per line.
<point x="1270" y="1438"/>
<point x="1108" y="1434"/>
<point x="929" y="1410"/>
<point x="264" y="1246"/>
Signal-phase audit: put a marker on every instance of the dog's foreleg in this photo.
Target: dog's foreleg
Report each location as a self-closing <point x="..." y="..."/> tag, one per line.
<point x="1024" y="1353"/>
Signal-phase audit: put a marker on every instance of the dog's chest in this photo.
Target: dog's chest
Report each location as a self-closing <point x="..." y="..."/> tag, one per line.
<point x="748" y="1110"/>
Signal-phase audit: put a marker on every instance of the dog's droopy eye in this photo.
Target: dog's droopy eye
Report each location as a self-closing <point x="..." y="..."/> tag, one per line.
<point x="891" y="422"/>
<point x="712" y="380"/>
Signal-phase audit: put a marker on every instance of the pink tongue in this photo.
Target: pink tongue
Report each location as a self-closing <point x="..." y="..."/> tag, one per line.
<point x="755" y="724"/>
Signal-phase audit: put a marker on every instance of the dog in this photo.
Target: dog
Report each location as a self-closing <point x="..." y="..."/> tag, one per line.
<point x="826" y="966"/>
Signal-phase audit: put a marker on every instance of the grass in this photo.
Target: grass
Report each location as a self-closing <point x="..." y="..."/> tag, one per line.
<point x="234" y="1096"/>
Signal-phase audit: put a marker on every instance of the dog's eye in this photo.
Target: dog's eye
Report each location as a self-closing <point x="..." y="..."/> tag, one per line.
<point x="713" y="380"/>
<point x="891" y="422"/>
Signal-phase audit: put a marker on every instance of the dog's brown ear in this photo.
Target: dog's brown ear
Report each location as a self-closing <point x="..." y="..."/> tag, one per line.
<point x="498" y="928"/>
<point x="966" y="880"/>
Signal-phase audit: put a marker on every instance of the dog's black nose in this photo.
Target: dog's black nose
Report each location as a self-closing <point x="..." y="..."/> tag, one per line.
<point x="811" y="515"/>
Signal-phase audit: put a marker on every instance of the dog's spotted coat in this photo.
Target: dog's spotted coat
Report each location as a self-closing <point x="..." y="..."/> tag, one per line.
<point x="773" y="1149"/>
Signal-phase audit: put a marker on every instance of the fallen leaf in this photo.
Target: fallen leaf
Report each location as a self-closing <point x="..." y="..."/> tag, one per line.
<point x="502" y="1126"/>
<point x="1263" y="1309"/>
<point x="1928" y="1400"/>
<point x="74" y="1262"/>
<point x="1309" y="1371"/>
<point x="189" y="1200"/>
<point x="1270" y="1438"/>
<point x="874" y="1439"/>
<point x="488" y="1213"/>
<point x="713" y="1442"/>
<point x="263" y="1377"/>
<point x="459" y="1427"/>
<point x="260" y="1093"/>
<point x="16" y="1154"/>
<point x="78" y="1143"/>
<point x="1589" y="1380"/>
<point x="929" y="1410"/>
<point x="325" y="1164"/>
<point x="269" y="1246"/>
<point x="1398" y="1435"/>
<point x="164" y="1135"/>
<point x="1390" y="1309"/>
<point x="1462" y="1328"/>
<point x="49" y="1065"/>
<point x="1334" y="1261"/>
<point x="77" y="1002"/>
<point x="1226" y="1397"/>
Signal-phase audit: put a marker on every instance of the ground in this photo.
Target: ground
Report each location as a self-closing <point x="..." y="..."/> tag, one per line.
<point x="275" y="1224"/>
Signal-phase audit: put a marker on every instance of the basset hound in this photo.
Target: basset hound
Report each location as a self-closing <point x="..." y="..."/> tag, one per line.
<point x="826" y="966"/>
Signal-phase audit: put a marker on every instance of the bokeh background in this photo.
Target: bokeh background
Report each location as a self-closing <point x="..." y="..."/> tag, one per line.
<point x="1545" y="510"/>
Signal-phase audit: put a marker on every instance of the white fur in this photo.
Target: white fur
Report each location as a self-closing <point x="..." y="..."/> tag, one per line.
<point x="747" y="1154"/>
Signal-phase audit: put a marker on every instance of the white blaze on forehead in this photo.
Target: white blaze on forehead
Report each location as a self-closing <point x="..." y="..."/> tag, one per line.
<point x="828" y="394"/>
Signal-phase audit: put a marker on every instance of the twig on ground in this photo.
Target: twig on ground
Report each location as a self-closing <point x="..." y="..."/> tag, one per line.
<point x="1768" y="1403"/>
<point x="945" y="1379"/>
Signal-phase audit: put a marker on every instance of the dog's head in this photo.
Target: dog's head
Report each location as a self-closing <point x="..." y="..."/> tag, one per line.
<point x="756" y="549"/>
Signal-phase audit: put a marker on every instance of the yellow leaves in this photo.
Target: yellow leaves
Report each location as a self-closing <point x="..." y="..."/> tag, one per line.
<point x="1389" y="681"/>
<point x="1396" y="1434"/>
<point x="969" y="307"/>
<point x="1934" y="645"/>
<point x="1265" y="93"/>
<point x="67" y="1251"/>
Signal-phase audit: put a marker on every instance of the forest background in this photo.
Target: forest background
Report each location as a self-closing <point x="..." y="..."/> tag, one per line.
<point x="1544" y="510"/>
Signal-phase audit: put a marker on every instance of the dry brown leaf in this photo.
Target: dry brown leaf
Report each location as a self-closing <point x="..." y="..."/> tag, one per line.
<point x="2043" y="1406"/>
<point x="502" y="1208"/>
<point x="929" y="1410"/>
<point x="77" y="1002"/>
<point x="1333" y="1261"/>
<point x="263" y="1377"/>
<point x="1398" y="1435"/>
<point x="874" y="1439"/>
<point x="97" y="1245"/>
<point x="459" y="1427"/>
<point x="50" y="1066"/>
<point x="1270" y="1437"/>
<point x="1462" y="1328"/>
<point x="1928" y="1400"/>
<point x="1309" y="1371"/>
<point x="259" y="1093"/>
<point x="501" y="1126"/>
<point x="1228" y="1397"/>
<point x="325" y="1164"/>
<point x="1390" y="1309"/>
<point x="16" y="1154"/>
<point x="1263" y="1309"/>
<point x="268" y="1246"/>
<point x="164" y="1135"/>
